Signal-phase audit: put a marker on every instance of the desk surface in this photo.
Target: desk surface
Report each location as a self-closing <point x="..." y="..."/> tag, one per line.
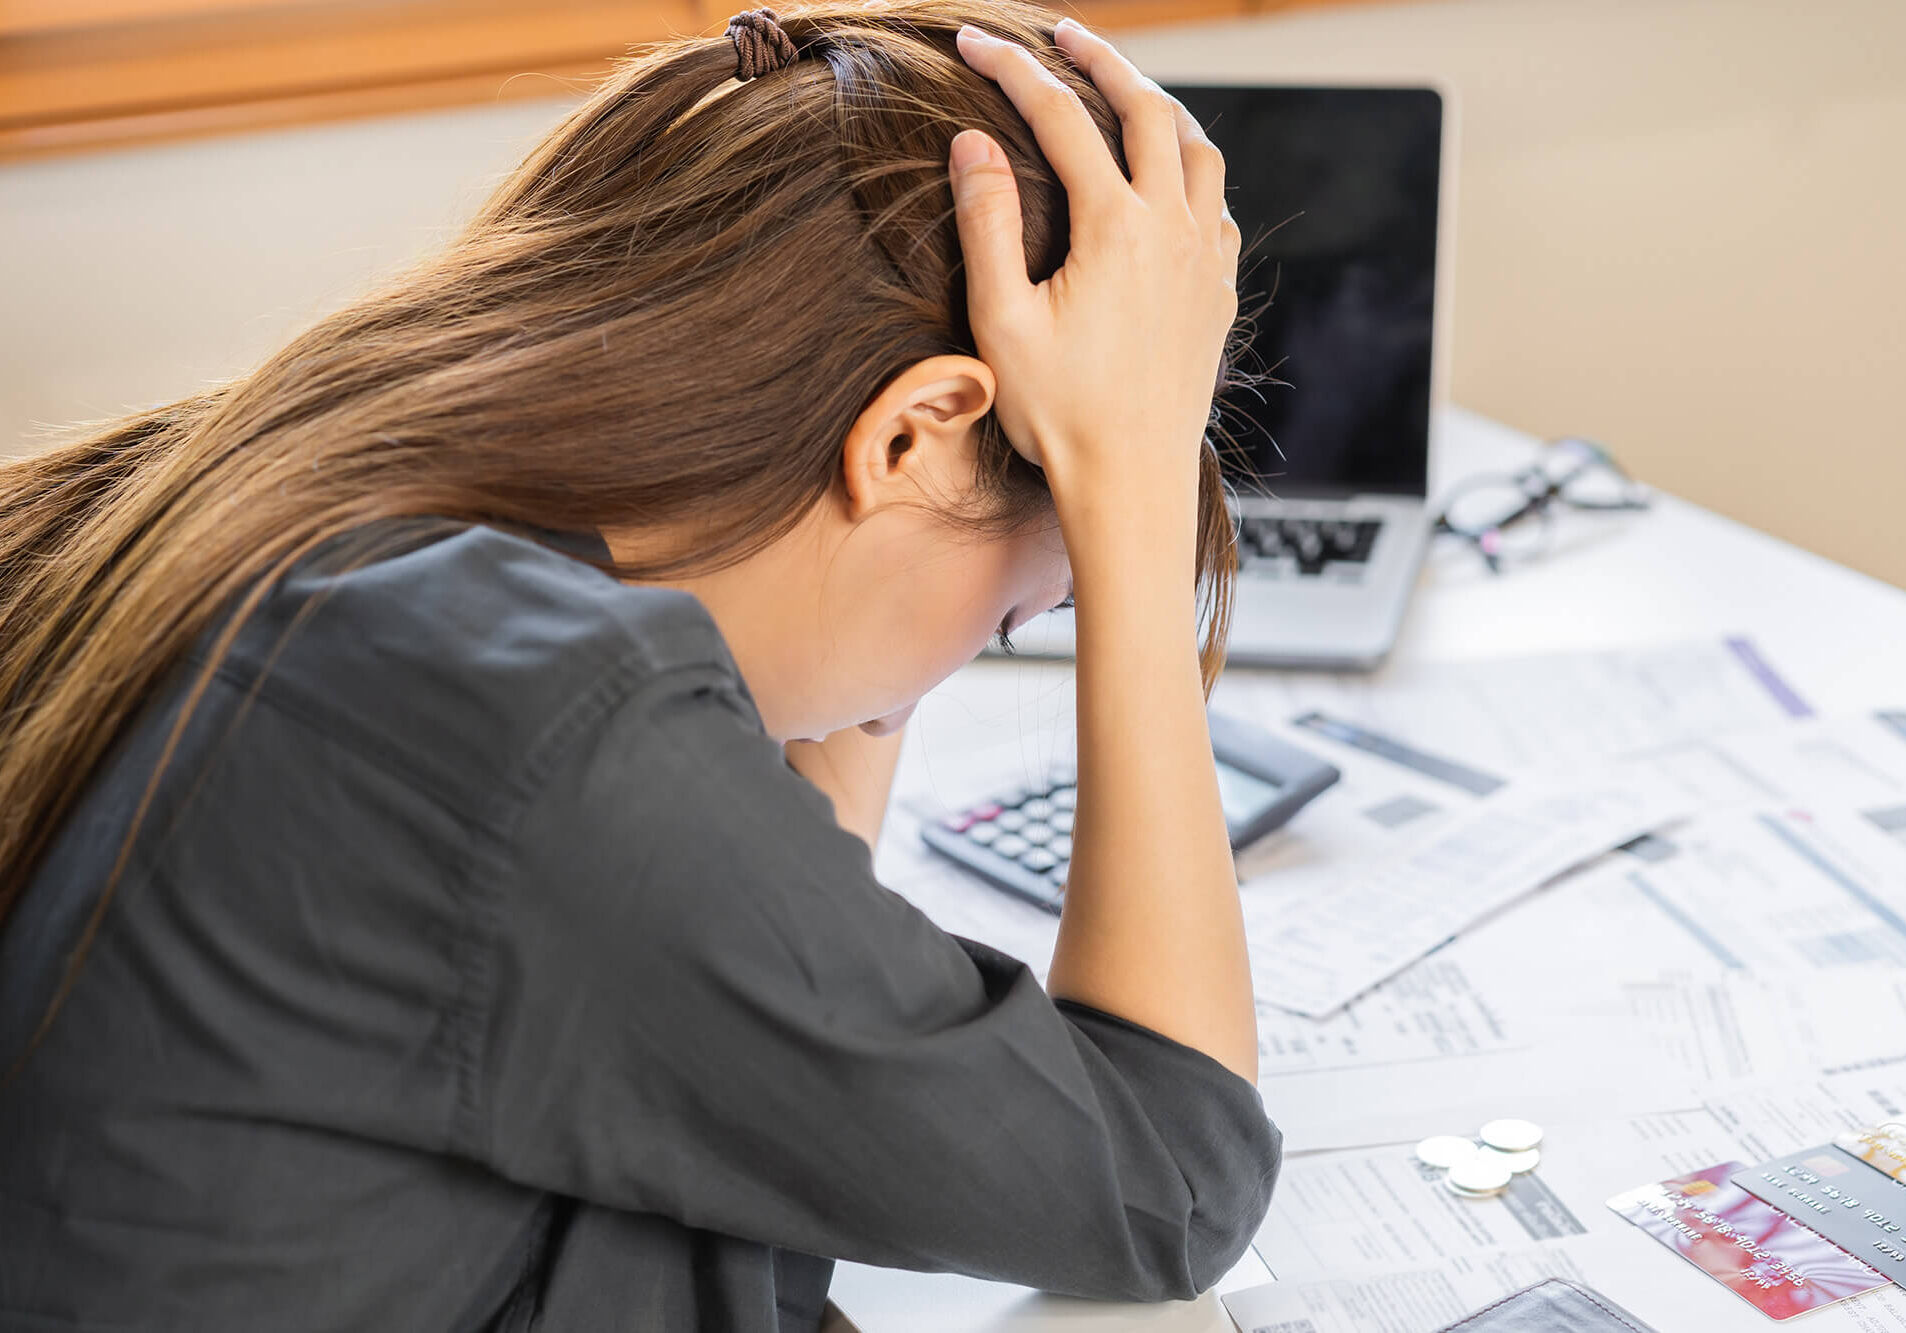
<point x="1675" y="573"/>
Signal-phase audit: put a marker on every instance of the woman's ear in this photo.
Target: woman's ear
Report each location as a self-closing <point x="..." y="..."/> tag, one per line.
<point x="915" y="438"/>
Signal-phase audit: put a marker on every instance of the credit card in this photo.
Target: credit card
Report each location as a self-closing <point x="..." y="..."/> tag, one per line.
<point x="1760" y="1254"/>
<point x="1858" y="1208"/>
<point x="1882" y="1147"/>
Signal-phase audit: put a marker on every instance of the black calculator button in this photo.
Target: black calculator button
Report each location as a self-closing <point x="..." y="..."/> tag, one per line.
<point x="1037" y="834"/>
<point x="1011" y="845"/>
<point x="1038" y="859"/>
<point x="983" y="833"/>
<point x="1061" y="846"/>
<point x="1011" y="820"/>
<point x="1065" y="798"/>
<point x="1061" y="821"/>
<point x="1037" y="808"/>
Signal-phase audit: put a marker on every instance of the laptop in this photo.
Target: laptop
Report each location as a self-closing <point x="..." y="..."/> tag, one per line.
<point x="1330" y="485"/>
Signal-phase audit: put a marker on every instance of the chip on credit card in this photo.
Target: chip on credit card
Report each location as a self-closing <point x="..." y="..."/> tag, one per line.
<point x="1856" y="1206"/>
<point x="1757" y="1252"/>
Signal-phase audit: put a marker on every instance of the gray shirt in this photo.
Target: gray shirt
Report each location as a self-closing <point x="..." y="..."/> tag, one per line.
<point x="491" y="969"/>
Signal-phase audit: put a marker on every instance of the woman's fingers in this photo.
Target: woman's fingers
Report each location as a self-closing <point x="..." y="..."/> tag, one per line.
<point x="1166" y="146"/>
<point x="1204" y="172"/>
<point x="992" y="240"/>
<point x="1065" y="130"/>
<point x="1105" y="369"/>
<point x="1145" y="111"/>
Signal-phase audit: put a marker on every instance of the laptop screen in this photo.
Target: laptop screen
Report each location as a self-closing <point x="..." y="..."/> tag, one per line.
<point x="1345" y="182"/>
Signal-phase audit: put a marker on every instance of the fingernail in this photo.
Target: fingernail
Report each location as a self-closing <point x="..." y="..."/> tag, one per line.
<point x="970" y="149"/>
<point x="1067" y="24"/>
<point x="968" y="30"/>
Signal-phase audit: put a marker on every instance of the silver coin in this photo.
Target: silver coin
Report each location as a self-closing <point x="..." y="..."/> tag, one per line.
<point x="1517" y="1162"/>
<point x="1512" y="1135"/>
<point x="1445" y="1150"/>
<point x="1485" y="1173"/>
<point x="1450" y="1184"/>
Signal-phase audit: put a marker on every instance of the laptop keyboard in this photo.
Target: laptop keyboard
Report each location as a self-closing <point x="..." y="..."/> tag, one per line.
<point x="1308" y="543"/>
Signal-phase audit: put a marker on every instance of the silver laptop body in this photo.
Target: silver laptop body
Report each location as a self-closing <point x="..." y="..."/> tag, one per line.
<point x="1351" y="191"/>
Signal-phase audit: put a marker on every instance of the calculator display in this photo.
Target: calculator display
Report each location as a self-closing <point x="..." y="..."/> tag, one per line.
<point x="1243" y="794"/>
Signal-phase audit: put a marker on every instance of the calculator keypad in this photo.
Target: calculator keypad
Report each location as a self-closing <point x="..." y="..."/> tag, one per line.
<point x="1020" y="839"/>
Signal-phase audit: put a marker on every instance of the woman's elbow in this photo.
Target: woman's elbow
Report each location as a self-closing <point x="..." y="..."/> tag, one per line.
<point x="1223" y="1213"/>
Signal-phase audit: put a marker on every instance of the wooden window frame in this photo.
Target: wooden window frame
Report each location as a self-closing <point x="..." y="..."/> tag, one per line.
<point x="84" y="74"/>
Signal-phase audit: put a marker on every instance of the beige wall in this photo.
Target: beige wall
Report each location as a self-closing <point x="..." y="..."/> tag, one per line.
<point x="1679" y="230"/>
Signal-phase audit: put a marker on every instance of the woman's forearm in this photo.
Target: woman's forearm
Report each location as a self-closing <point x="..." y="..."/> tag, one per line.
<point x="1152" y="929"/>
<point x="855" y="770"/>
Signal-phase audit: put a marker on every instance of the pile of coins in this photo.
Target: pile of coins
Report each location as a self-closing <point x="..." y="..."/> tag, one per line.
<point x="1481" y="1168"/>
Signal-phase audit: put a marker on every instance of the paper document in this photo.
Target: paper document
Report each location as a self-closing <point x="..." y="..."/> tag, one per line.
<point x="1733" y="1027"/>
<point x="1857" y="759"/>
<point x="1375" y="807"/>
<point x="1769" y="1119"/>
<point x="1540" y="713"/>
<point x="1799" y="888"/>
<point x="1600" y="1001"/>
<point x="1431" y="1011"/>
<point x="1316" y="955"/>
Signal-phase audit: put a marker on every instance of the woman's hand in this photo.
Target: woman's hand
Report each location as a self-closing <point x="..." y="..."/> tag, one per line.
<point x="1106" y="370"/>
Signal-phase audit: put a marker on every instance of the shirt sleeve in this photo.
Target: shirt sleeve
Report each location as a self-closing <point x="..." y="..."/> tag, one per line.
<point x="704" y="1005"/>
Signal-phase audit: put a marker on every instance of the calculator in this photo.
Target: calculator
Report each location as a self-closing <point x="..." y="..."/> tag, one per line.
<point x="1020" y="839"/>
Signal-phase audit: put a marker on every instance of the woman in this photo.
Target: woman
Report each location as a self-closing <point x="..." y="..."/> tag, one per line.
<point x="432" y="764"/>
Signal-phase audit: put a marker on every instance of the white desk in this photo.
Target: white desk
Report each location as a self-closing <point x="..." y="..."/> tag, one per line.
<point x="1676" y="572"/>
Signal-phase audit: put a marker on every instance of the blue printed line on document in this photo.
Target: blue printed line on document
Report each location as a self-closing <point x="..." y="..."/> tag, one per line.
<point x="1686" y="922"/>
<point x="1471" y="780"/>
<point x="1893" y="721"/>
<point x="1856" y="890"/>
<point x="1761" y="670"/>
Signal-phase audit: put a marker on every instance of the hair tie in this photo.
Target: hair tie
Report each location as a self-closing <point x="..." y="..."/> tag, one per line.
<point x="762" y="45"/>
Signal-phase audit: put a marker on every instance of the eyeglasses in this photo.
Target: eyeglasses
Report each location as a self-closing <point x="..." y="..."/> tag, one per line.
<point x="1508" y="516"/>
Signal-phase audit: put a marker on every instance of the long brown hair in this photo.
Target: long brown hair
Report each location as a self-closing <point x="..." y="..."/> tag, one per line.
<point x="676" y="306"/>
